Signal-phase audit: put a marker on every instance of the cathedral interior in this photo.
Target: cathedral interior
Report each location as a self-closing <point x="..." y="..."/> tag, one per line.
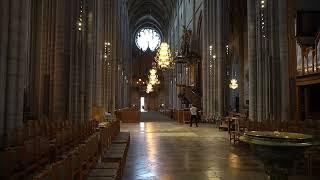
<point x="159" y="89"/>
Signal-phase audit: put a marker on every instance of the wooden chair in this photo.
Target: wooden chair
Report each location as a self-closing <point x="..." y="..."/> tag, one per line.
<point x="114" y="173"/>
<point x="241" y="126"/>
<point x="75" y="163"/>
<point x="11" y="161"/>
<point x="30" y="155"/>
<point x="223" y="124"/>
<point x="123" y="137"/>
<point x="44" y="150"/>
<point x="84" y="158"/>
<point x="313" y="161"/>
<point x="62" y="168"/>
<point x="103" y="173"/>
<point x="115" y="155"/>
<point x="100" y="178"/>
<point x="45" y="174"/>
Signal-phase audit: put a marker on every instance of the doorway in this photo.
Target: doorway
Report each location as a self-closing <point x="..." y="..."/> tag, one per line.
<point x="142" y="105"/>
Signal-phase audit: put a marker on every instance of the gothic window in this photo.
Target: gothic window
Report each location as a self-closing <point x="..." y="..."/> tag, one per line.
<point x="148" y="38"/>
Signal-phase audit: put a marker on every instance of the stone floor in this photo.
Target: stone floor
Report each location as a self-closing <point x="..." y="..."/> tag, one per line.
<point x="167" y="150"/>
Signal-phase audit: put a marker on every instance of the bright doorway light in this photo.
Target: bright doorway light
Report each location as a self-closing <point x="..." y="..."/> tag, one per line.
<point x="142" y="107"/>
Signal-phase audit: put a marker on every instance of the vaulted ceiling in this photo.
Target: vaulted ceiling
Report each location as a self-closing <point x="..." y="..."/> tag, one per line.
<point x="154" y="13"/>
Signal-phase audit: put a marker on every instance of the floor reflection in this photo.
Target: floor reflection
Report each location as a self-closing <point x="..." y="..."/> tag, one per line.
<point x="171" y="151"/>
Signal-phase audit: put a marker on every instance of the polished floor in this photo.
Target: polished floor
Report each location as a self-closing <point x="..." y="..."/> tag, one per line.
<point x="166" y="150"/>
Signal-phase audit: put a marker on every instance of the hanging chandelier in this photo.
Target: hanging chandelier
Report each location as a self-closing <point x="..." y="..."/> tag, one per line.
<point x="149" y="88"/>
<point x="163" y="57"/>
<point x="153" y="77"/>
<point x="233" y="84"/>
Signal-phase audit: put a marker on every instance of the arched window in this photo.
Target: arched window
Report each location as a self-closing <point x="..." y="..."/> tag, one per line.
<point x="147" y="37"/>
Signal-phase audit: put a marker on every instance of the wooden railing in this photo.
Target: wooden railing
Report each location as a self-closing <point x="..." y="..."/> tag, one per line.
<point x="128" y="115"/>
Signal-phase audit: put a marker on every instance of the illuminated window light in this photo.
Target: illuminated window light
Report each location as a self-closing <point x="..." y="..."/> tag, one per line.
<point x="148" y="38"/>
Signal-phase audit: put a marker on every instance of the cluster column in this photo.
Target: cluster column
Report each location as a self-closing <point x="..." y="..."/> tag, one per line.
<point x="221" y="58"/>
<point x="204" y="59"/>
<point x="284" y="65"/>
<point x="251" y="6"/>
<point x="14" y="37"/>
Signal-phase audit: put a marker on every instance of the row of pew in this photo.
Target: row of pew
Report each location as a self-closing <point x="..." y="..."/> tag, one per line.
<point x="56" y="150"/>
<point x="113" y="160"/>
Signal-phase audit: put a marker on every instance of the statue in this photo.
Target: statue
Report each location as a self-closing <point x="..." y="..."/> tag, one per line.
<point x="186" y="40"/>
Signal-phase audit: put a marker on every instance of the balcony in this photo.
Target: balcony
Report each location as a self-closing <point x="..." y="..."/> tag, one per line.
<point x="308" y="58"/>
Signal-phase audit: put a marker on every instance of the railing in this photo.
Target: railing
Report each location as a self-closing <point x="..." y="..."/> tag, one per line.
<point x="308" y="59"/>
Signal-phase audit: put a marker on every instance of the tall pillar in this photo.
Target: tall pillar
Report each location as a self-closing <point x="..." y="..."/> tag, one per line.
<point x="89" y="59"/>
<point x="220" y="57"/>
<point x="251" y="8"/>
<point x="99" y="53"/>
<point x="284" y="66"/>
<point x="259" y="64"/>
<point x="60" y="82"/>
<point x="114" y="54"/>
<point x="275" y="63"/>
<point x="204" y="57"/>
<point x="211" y="50"/>
<point x="109" y="11"/>
<point x="13" y="52"/>
<point x="207" y="40"/>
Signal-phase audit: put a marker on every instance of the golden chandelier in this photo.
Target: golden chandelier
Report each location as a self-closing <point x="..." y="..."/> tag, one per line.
<point x="163" y="57"/>
<point x="153" y="80"/>
<point x="233" y="84"/>
<point x="149" y="88"/>
<point x="153" y="77"/>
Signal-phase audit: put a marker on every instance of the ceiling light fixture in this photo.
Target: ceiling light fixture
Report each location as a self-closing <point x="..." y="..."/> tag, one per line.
<point x="233" y="84"/>
<point x="163" y="57"/>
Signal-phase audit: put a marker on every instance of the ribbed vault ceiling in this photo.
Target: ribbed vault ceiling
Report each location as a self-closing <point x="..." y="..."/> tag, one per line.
<point x="155" y="13"/>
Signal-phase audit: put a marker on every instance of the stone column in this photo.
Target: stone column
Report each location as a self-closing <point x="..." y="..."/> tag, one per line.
<point x="259" y="59"/>
<point x="108" y="70"/>
<point x="207" y="40"/>
<point x="13" y="52"/>
<point x="220" y="57"/>
<point x="99" y="57"/>
<point x="114" y="67"/>
<point x="284" y="66"/>
<point x="89" y="59"/>
<point x="275" y="63"/>
<point x="204" y="57"/>
<point x="60" y="82"/>
<point x="211" y="36"/>
<point x="251" y="9"/>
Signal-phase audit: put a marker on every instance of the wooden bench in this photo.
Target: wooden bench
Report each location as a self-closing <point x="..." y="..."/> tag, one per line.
<point x="122" y="136"/>
<point x="100" y="178"/>
<point x="118" y="150"/>
<point x="112" y="171"/>
<point x="61" y="151"/>
<point x="109" y="173"/>
<point x="45" y="174"/>
<point x="115" y="155"/>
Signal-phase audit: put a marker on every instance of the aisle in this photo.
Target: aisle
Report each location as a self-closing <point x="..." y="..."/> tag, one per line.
<point x="171" y="151"/>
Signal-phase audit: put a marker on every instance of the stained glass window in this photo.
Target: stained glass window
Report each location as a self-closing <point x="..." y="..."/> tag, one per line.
<point x="147" y="37"/>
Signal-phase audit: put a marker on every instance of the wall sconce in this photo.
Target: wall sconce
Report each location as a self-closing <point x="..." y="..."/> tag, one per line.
<point x="79" y="22"/>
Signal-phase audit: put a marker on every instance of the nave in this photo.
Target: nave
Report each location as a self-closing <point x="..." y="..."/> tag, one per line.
<point x="73" y="71"/>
